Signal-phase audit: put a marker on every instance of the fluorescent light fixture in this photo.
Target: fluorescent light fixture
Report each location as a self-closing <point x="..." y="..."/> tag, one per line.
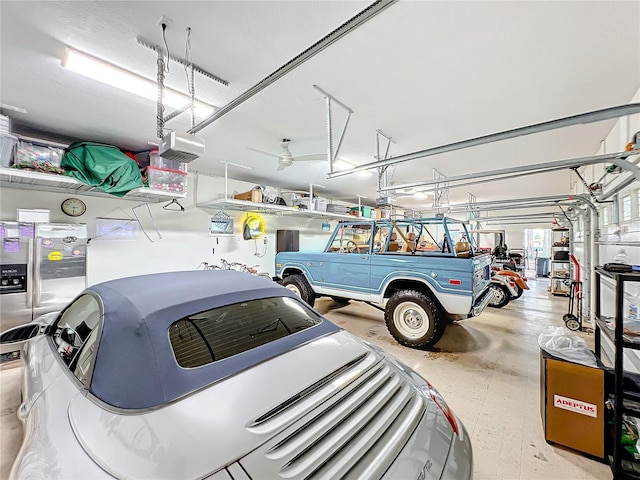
<point x="421" y="195"/>
<point x="116" y="77"/>
<point x="344" y="165"/>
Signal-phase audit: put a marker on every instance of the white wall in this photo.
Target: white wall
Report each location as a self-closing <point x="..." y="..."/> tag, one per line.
<point x="185" y="239"/>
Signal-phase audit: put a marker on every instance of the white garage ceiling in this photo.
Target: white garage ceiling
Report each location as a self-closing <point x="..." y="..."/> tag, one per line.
<point x="425" y="73"/>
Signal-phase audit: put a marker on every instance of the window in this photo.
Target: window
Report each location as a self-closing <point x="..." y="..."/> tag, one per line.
<point x="637" y="203"/>
<point x="626" y="208"/>
<point x="76" y="329"/>
<point x="605" y="215"/>
<point x="222" y="332"/>
<point x="352" y="239"/>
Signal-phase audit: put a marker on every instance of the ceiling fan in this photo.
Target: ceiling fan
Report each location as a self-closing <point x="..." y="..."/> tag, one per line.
<point x="286" y="158"/>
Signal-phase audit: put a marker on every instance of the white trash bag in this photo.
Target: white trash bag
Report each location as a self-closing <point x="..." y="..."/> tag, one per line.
<point x="558" y="342"/>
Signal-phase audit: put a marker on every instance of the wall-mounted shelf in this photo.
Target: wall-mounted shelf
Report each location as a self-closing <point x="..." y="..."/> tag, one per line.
<point x="27" y="180"/>
<point x="267" y="208"/>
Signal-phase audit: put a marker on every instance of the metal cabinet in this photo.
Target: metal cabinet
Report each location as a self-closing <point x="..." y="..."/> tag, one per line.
<point x="625" y="402"/>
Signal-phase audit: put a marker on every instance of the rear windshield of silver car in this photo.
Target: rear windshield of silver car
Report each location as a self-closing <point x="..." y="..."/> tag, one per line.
<point x="222" y="332"/>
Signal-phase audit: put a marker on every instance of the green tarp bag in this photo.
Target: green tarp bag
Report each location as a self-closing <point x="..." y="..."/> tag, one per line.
<point x="102" y="166"/>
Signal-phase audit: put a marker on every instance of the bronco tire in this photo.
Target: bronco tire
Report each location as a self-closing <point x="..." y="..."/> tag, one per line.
<point x="413" y="319"/>
<point x="298" y="284"/>
<point x="501" y="296"/>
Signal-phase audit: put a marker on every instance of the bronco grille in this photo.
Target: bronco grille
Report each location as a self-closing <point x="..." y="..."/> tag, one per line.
<point x="338" y="428"/>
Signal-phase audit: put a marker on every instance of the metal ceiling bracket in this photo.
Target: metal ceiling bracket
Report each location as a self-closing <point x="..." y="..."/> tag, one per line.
<point x="472" y="213"/>
<point x="440" y="192"/>
<point x="331" y="154"/>
<point x="347" y="27"/>
<point x="382" y="172"/>
<point x="160" y="103"/>
<point x="311" y="201"/>
<point x="181" y="61"/>
<point x="386" y="150"/>
<point x="226" y="175"/>
<point x="589" y="117"/>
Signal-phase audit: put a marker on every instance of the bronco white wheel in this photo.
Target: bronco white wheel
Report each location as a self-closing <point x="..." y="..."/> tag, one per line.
<point x="298" y="284"/>
<point x="414" y="319"/>
<point x="294" y="288"/>
<point x="411" y="320"/>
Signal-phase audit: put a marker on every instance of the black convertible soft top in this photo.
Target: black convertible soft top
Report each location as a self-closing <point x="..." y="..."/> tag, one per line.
<point x="135" y="367"/>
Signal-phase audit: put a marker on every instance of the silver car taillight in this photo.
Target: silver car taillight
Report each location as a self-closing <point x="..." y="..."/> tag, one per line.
<point x="434" y="395"/>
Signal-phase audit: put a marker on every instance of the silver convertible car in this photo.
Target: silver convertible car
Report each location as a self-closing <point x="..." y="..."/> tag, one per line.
<point x="221" y="375"/>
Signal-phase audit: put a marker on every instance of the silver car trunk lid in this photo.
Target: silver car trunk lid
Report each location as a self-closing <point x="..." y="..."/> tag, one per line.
<point x="289" y="417"/>
<point x="361" y="422"/>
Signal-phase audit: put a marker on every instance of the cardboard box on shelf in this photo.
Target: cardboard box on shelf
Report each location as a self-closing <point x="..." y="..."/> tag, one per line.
<point x="572" y="404"/>
<point x="251" y="196"/>
<point x="376" y="213"/>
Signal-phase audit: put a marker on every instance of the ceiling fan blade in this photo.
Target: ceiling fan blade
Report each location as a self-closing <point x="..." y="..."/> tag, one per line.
<point x="310" y="158"/>
<point x="263" y="152"/>
<point x="282" y="166"/>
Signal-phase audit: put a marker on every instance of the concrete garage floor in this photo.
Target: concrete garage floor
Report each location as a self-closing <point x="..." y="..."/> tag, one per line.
<point x="486" y="368"/>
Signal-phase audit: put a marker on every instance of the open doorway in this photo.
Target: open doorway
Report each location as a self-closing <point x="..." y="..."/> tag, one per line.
<point x="537" y="243"/>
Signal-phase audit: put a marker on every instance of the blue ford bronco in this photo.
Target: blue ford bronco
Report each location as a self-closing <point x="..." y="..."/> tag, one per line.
<point x="422" y="270"/>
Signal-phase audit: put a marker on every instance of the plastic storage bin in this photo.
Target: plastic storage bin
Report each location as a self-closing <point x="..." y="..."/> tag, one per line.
<point x="157" y="161"/>
<point x="364" y="211"/>
<point x="166" y="180"/>
<point x="33" y="154"/>
<point x="7" y="142"/>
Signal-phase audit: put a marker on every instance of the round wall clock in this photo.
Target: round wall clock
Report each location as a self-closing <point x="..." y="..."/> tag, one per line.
<point x="74" y="207"/>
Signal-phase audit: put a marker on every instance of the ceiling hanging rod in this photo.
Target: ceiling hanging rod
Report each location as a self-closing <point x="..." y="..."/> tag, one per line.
<point x="617" y="158"/>
<point x="485" y="180"/>
<point x="347" y="27"/>
<point x="522" y="216"/>
<point x="181" y="61"/>
<point x="527" y="200"/>
<point x="497" y="208"/>
<point x="590" y="117"/>
<point x="530" y="202"/>
<point x="529" y="222"/>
